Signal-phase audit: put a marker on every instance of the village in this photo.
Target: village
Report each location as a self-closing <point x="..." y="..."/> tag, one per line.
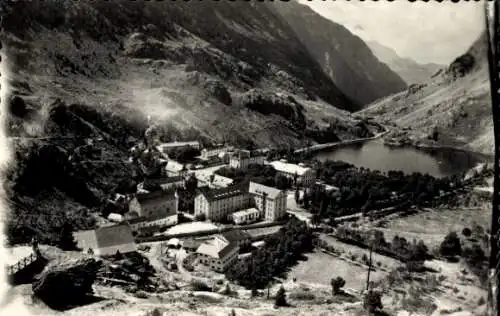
<point x="243" y="223"/>
<point x="226" y="221"/>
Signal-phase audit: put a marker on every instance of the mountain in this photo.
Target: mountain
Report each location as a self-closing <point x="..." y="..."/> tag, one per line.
<point x="411" y="71"/>
<point x="452" y="109"/>
<point x="346" y="59"/>
<point x="94" y="76"/>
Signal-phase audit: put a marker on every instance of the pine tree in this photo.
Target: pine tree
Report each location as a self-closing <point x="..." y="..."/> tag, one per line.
<point x="66" y="239"/>
<point x="281" y="297"/>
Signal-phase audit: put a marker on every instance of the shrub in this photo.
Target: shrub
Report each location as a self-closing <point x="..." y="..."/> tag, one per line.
<point x="481" y="301"/>
<point x="337" y="284"/>
<point x="450" y="247"/>
<point x="372" y="301"/>
<point x="155" y="312"/>
<point x="466" y="232"/>
<point x="474" y="254"/>
<point x="280" y="299"/>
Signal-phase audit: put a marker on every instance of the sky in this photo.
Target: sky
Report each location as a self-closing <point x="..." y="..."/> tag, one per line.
<point x="424" y="31"/>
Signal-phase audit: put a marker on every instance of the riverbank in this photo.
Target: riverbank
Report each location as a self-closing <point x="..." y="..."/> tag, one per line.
<point x="318" y="147"/>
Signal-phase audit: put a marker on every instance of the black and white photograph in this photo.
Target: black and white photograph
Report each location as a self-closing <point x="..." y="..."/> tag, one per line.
<point x="249" y="158"/>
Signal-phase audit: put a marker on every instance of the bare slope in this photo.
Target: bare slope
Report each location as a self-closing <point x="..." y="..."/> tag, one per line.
<point x="456" y="104"/>
<point x="187" y="66"/>
<point x="411" y="71"/>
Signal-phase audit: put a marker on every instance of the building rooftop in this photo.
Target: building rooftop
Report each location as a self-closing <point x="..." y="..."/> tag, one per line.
<point x="216" y="248"/>
<point x="174" y="166"/>
<point x="260" y="189"/>
<point x="160" y="180"/>
<point x="222" y="193"/>
<point x="218" y="181"/>
<point x="155" y="196"/>
<point x="289" y="167"/>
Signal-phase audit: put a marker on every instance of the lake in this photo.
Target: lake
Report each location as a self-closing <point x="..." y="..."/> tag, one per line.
<point x="375" y="155"/>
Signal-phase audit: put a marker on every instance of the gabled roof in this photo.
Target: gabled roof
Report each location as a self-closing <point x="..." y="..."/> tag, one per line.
<point x="174" y="166"/>
<point x="217" y="248"/>
<point x="222" y="193"/>
<point x="260" y="189"/>
<point x="156" y="196"/>
<point x="159" y="180"/>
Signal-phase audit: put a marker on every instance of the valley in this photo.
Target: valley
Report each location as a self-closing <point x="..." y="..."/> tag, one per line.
<point x="240" y="159"/>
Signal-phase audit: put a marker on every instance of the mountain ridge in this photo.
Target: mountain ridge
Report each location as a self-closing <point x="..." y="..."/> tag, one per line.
<point x="408" y="69"/>
<point x="451" y="109"/>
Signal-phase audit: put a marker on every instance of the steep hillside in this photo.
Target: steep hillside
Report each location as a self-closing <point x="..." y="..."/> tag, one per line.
<point x="88" y="78"/>
<point x="346" y="59"/>
<point x="188" y="65"/>
<point x="452" y="109"/>
<point x="411" y="71"/>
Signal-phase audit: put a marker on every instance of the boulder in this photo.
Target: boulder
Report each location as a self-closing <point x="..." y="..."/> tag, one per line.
<point x="66" y="282"/>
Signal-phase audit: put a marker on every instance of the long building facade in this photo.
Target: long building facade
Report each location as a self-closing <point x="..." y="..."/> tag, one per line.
<point x="217" y="204"/>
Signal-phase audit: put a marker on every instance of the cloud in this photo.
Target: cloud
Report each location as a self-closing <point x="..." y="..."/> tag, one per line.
<point x="425" y="31"/>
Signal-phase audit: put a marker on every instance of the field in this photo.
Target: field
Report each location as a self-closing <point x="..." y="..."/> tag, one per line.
<point x="320" y="268"/>
<point x="432" y="226"/>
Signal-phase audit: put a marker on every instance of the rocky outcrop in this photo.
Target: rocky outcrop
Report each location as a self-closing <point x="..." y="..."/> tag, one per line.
<point x="65" y="282"/>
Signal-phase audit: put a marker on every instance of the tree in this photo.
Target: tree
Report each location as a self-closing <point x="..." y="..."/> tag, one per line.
<point x="474" y="254"/>
<point x="297" y="195"/>
<point x="466" y="232"/>
<point x="337" y="284"/>
<point x="280" y="299"/>
<point x="118" y="255"/>
<point x="372" y="301"/>
<point x="232" y="313"/>
<point x="66" y="239"/>
<point x="450" y="247"/>
<point x="191" y="183"/>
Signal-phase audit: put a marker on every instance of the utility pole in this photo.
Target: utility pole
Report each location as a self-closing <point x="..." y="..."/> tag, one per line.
<point x="372" y="241"/>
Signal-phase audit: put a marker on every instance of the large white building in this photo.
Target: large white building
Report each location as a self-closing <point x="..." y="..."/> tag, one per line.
<point x="242" y="158"/>
<point x="271" y="202"/>
<point x="217" y="204"/>
<point x="305" y="175"/>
